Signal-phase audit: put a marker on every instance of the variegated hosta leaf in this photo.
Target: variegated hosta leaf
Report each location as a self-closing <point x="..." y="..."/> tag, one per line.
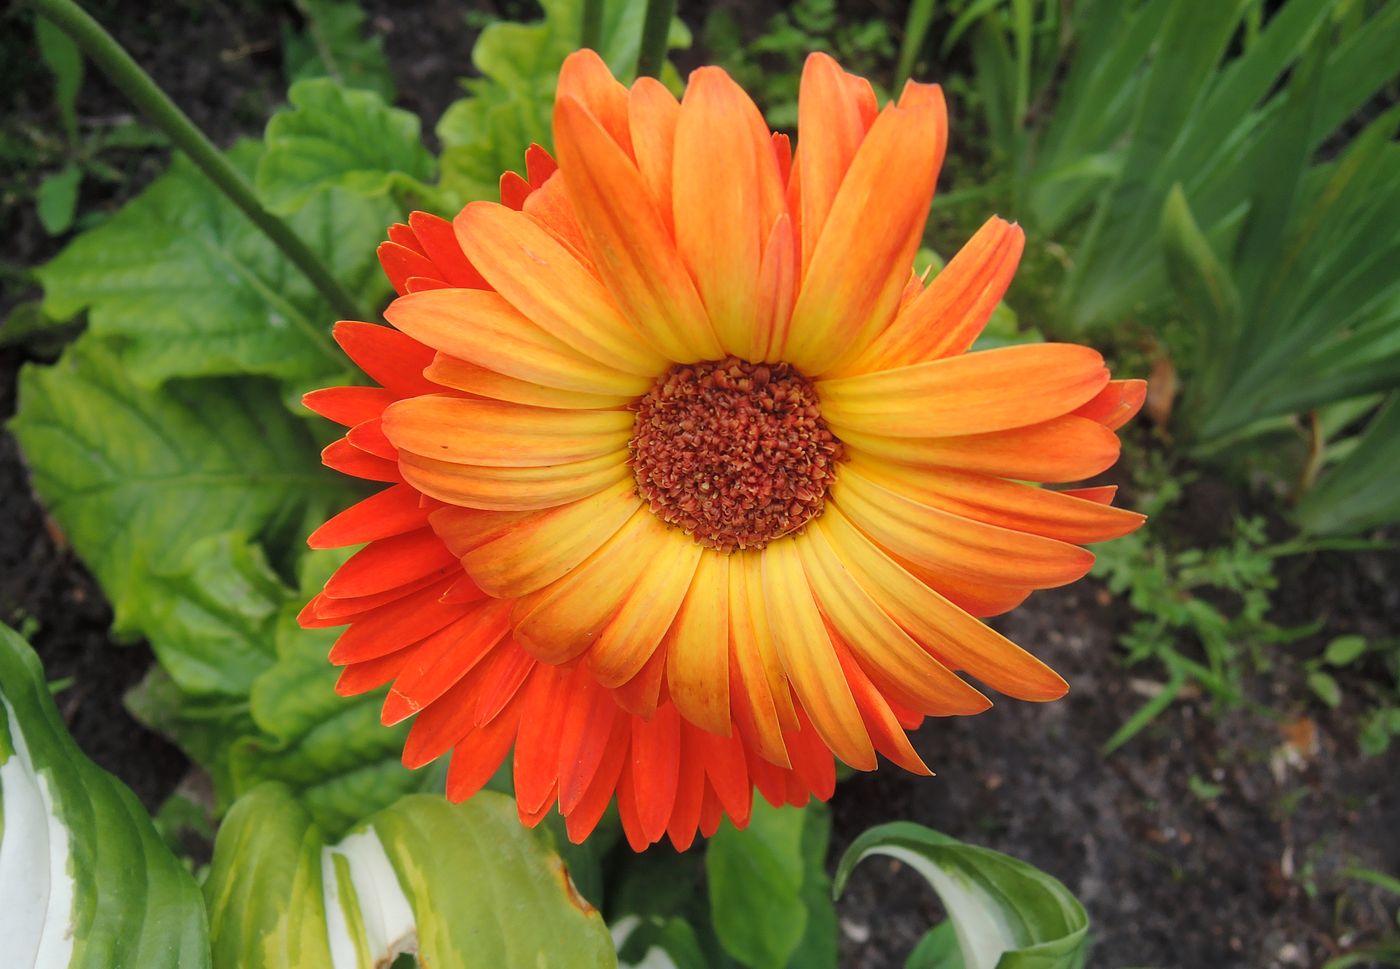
<point x="85" y="881"/>
<point x="459" y="886"/>
<point x="1005" y="914"/>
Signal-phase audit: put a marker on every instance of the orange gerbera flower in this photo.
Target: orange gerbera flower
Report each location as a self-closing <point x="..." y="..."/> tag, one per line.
<point x="691" y="485"/>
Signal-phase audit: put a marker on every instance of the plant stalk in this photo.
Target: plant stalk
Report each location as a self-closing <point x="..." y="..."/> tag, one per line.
<point x="143" y="92"/>
<point x="656" y="30"/>
<point x="591" y="32"/>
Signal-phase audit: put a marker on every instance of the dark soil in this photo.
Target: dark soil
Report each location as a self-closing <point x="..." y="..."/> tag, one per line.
<point x="1250" y="877"/>
<point x="1247" y="873"/>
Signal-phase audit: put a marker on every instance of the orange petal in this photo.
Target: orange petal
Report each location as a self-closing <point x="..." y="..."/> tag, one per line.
<point x="478" y="755"/>
<point x="1116" y="404"/>
<point x="501" y="435"/>
<point x="586" y="77"/>
<point x="1009" y="504"/>
<point x="665" y="565"/>
<point x="545" y="703"/>
<point x="393" y="626"/>
<point x="777" y="289"/>
<point x="442" y="659"/>
<point x="564" y="619"/>
<point x="389" y="563"/>
<point x="974" y="393"/>
<point x="831" y="119"/>
<point x="727" y="194"/>
<point x="947" y="317"/>
<point x="697" y="658"/>
<point x="755" y="672"/>
<point x="480" y="382"/>
<point x="656" y="768"/>
<point x="542" y="279"/>
<point x="886" y="732"/>
<point x="513" y="489"/>
<point x="653" y="112"/>
<point x="479" y="326"/>
<point x="953" y="637"/>
<point x="808" y="659"/>
<point x="852" y="284"/>
<point x="393" y="511"/>
<point x="580" y="822"/>
<point x="960" y="546"/>
<point x="543" y="546"/>
<point x="1062" y="449"/>
<point x="877" y="639"/>
<point x="349" y="406"/>
<point x="392" y="359"/>
<point x="583" y="739"/>
<point x="344" y="457"/>
<point x="628" y="239"/>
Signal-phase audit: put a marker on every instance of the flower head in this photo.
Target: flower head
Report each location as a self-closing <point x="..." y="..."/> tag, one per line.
<point x="691" y="483"/>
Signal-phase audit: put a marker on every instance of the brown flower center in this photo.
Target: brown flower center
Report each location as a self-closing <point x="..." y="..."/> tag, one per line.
<point x="735" y="453"/>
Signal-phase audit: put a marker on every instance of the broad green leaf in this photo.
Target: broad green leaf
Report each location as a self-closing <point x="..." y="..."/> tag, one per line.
<point x="193" y="288"/>
<point x="458" y="886"/>
<point x="334" y="45"/>
<point x="57" y="198"/>
<point x="767" y="887"/>
<point x="1006" y="914"/>
<point x="332" y="750"/>
<point x="938" y="949"/>
<point x="657" y="944"/>
<point x="85" y="880"/>
<point x="212" y="620"/>
<point x="337" y="137"/>
<point x="509" y="107"/>
<point x="135" y="477"/>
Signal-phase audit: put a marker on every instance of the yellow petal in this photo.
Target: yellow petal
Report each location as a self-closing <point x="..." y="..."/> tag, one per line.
<point x="479" y="326"/>
<point x="697" y="658"/>
<point x="954" y="638"/>
<point x="877" y="640"/>
<point x="512" y="489"/>
<point x="808" y="658"/>
<point x="960" y="546"/>
<point x="541" y="278"/>
<point x="975" y="393"/>
<point x="498" y="434"/>
<point x="515" y="555"/>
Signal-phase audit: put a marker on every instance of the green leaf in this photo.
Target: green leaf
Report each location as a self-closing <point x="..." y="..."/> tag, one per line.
<point x="85" y="880"/>
<point x="195" y="289"/>
<point x="938" y="949"/>
<point x="1344" y="650"/>
<point x="337" y="137"/>
<point x="334" y="45"/>
<point x="657" y="944"/>
<point x="332" y="750"/>
<point x="1006" y="914"/>
<point x="65" y="61"/>
<point x="456" y="885"/>
<point x="760" y="882"/>
<point x="1325" y="687"/>
<point x="134" y="478"/>
<point x="57" y="198"/>
<point x="212" y="620"/>
<point x="509" y="107"/>
<point x="1359" y="493"/>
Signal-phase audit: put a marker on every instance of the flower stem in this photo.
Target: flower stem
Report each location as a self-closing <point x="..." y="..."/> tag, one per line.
<point x="656" y="30"/>
<point x="591" y="35"/>
<point x="145" y="94"/>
